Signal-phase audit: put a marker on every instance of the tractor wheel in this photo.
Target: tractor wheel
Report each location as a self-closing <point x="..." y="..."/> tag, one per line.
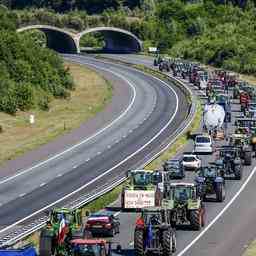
<point x="195" y="219"/>
<point x="46" y="247"/>
<point x="247" y="157"/>
<point x="138" y="243"/>
<point x="220" y="192"/>
<point x="238" y="172"/>
<point x="167" y="243"/>
<point x="174" y="241"/>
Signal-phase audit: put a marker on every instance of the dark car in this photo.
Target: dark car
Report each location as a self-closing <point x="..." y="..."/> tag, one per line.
<point x="103" y="223"/>
<point x="174" y="168"/>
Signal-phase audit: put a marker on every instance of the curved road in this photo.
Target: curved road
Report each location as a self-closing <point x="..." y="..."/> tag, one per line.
<point x="151" y="111"/>
<point x="230" y="226"/>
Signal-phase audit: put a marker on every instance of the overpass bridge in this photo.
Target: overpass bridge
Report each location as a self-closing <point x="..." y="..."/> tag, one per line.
<point x="64" y="41"/>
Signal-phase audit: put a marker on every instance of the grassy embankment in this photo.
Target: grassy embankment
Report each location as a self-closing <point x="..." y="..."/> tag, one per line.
<point x="92" y="94"/>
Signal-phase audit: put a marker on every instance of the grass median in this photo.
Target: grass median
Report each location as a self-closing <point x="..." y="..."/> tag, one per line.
<point x="92" y="94"/>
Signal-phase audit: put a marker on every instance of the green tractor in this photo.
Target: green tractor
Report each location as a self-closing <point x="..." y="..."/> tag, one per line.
<point x="63" y="226"/>
<point x="242" y="142"/>
<point x="153" y="233"/>
<point x="186" y="205"/>
<point x="141" y="190"/>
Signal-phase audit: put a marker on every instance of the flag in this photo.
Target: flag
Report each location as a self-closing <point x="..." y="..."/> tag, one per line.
<point x="62" y="230"/>
<point x="149" y="235"/>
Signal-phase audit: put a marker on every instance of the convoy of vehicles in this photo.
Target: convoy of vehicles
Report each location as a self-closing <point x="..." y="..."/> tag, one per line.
<point x="166" y="205"/>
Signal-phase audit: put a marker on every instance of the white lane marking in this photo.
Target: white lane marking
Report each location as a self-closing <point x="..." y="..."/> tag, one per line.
<point x="59" y="175"/>
<point x="88" y="159"/>
<point x="109" y="146"/>
<point x="23" y="194"/>
<point x="108" y="171"/>
<point x="87" y="139"/>
<point x="43" y="184"/>
<point x="75" y="166"/>
<point x="98" y="153"/>
<point x="117" y="213"/>
<point x="219" y="215"/>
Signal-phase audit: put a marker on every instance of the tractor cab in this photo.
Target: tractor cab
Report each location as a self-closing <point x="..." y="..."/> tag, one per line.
<point x="141" y="179"/>
<point x="89" y="247"/>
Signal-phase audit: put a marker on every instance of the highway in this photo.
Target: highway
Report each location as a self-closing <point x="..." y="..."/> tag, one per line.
<point x="144" y="113"/>
<point x="230" y="226"/>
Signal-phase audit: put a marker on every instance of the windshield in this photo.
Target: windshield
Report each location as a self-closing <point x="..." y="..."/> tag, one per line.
<point x="181" y="193"/>
<point x="88" y="250"/>
<point x="202" y="139"/>
<point x="188" y="159"/>
<point x="142" y="178"/>
<point x="153" y="218"/>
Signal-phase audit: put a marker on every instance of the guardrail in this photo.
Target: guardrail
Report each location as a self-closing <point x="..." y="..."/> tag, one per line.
<point x="22" y="231"/>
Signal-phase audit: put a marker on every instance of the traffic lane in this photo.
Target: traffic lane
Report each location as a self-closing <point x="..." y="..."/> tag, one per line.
<point x="117" y="105"/>
<point x="235" y="229"/>
<point x="79" y="177"/>
<point x="143" y="105"/>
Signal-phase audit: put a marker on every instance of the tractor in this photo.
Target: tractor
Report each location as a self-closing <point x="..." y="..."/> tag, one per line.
<point x="141" y="190"/>
<point x="89" y="247"/>
<point x="154" y="233"/>
<point x="230" y="162"/>
<point x="63" y="225"/>
<point x="249" y="128"/>
<point x="209" y="181"/>
<point x="241" y="140"/>
<point x="186" y="205"/>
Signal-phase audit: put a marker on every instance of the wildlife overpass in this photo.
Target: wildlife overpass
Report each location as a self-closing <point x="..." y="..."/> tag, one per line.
<point x="63" y="41"/>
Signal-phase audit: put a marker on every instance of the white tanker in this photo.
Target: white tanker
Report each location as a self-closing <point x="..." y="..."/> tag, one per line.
<point x="213" y="117"/>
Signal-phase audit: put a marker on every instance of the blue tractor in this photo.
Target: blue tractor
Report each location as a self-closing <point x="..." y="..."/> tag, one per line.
<point x="209" y="181"/>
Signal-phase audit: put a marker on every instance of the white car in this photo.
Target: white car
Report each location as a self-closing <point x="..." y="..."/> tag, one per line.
<point x="203" y="144"/>
<point x="191" y="161"/>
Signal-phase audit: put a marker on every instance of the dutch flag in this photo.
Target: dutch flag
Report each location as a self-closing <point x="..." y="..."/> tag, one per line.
<point x="62" y="230"/>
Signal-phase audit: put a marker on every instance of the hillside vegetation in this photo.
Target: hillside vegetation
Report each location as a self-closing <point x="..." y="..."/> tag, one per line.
<point x="216" y="32"/>
<point x="30" y="75"/>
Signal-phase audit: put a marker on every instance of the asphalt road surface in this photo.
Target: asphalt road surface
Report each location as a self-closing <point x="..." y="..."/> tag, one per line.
<point x="145" y="113"/>
<point x="230" y="226"/>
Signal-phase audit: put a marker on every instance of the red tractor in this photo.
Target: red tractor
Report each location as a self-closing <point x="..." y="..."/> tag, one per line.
<point x="244" y="101"/>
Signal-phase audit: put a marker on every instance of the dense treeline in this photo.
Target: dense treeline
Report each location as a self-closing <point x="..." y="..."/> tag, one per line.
<point x="30" y="75"/>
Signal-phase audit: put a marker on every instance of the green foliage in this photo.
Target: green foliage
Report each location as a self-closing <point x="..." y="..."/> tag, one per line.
<point x="30" y="75"/>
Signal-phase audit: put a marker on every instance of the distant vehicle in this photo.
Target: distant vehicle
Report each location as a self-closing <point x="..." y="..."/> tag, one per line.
<point x="203" y="144"/>
<point x="191" y="162"/>
<point x="174" y="169"/>
<point x="103" y="223"/>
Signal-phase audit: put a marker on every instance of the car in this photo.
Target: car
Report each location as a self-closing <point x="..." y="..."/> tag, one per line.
<point x="203" y="144"/>
<point x="191" y="161"/>
<point x="103" y="223"/>
<point x="174" y="169"/>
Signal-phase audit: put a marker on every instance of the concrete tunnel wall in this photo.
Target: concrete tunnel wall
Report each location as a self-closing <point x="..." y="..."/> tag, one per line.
<point x="62" y="41"/>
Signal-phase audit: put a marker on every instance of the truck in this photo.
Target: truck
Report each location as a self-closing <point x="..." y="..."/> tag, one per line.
<point x="213" y="119"/>
<point x="141" y="191"/>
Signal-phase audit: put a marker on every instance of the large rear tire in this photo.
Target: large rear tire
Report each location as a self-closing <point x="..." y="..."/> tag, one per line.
<point x="138" y="242"/>
<point x="195" y="219"/>
<point x="248" y="158"/>
<point x="46" y="247"/>
<point x="220" y="192"/>
<point x="167" y="243"/>
<point x="238" y="172"/>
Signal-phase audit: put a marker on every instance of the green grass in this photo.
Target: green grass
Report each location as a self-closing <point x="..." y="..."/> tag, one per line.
<point x="251" y="250"/>
<point x="92" y="94"/>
